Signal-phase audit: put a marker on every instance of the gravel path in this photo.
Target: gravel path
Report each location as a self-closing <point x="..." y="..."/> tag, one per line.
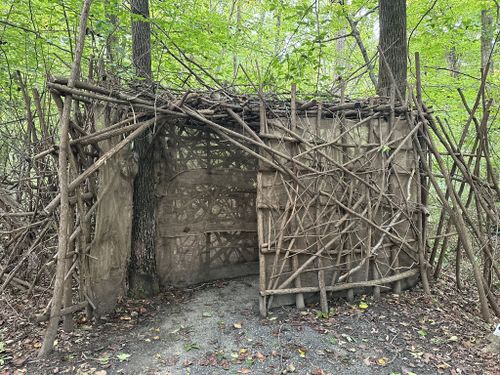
<point x="216" y="329"/>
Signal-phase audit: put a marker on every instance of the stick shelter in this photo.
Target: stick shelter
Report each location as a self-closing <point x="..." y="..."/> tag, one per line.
<point x="316" y="196"/>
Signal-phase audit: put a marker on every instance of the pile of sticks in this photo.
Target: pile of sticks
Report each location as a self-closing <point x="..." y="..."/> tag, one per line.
<point x="471" y="214"/>
<point x="26" y="186"/>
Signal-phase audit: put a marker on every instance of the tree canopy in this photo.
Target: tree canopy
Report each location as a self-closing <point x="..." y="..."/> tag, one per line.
<point x="236" y="41"/>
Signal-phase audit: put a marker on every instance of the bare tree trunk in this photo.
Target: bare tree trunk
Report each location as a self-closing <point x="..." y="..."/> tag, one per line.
<point x="143" y="280"/>
<point x="392" y="15"/>
<point x="453" y="62"/>
<point x="111" y="38"/>
<point x="63" y="240"/>
<point x="487" y="37"/>
<point x="141" y="38"/>
<point x="487" y="31"/>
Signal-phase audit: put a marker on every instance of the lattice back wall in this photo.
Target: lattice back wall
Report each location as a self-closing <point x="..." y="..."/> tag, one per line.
<point x="206" y="218"/>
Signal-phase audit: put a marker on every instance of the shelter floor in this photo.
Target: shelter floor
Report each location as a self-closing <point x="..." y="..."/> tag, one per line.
<point x="216" y="329"/>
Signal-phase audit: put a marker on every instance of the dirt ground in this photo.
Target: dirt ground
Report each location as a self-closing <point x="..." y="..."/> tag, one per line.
<point x="216" y="329"/>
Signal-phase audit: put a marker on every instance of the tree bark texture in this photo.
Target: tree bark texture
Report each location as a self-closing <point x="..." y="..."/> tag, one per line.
<point x="143" y="280"/>
<point x="453" y="62"/>
<point x="392" y="16"/>
<point x="141" y="38"/>
<point x="487" y="31"/>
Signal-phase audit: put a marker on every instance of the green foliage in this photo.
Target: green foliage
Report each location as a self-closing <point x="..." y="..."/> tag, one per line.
<point x="282" y="41"/>
<point x="244" y="43"/>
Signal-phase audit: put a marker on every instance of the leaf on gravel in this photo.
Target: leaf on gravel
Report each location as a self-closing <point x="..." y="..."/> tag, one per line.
<point x="290" y="368"/>
<point x="347" y="337"/>
<point x="261" y="357"/>
<point x="237" y="325"/>
<point x="104" y="360"/>
<point x="422" y="332"/>
<point x="333" y="340"/>
<point x="416" y="354"/>
<point x="363" y="305"/>
<point x="443" y="366"/>
<point x="302" y="353"/>
<point x="453" y="339"/>
<point x="191" y="346"/>
<point x="382" y="361"/>
<point x="123" y="356"/>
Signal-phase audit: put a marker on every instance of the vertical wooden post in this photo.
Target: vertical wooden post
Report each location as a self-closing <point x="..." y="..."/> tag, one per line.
<point x="299" y="297"/>
<point x="68" y="293"/>
<point x="321" y="273"/>
<point x="63" y="240"/>
<point x="396" y="288"/>
<point x="260" y="218"/>
<point x="422" y="189"/>
<point x="293" y="107"/>
<point x="350" y="291"/>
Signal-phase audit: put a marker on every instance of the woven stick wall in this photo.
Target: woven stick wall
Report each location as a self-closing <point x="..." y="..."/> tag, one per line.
<point x="340" y="213"/>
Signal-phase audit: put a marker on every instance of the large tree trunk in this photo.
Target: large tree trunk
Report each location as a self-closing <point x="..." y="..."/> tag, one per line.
<point x="141" y="38"/>
<point x="143" y="280"/>
<point x="392" y="15"/>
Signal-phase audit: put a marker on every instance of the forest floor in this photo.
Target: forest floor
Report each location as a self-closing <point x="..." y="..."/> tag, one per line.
<point x="215" y="328"/>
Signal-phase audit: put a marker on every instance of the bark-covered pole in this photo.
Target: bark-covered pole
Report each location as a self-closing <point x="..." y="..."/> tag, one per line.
<point x="63" y="239"/>
<point x="141" y="38"/>
<point x="143" y="280"/>
<point x="393" y="44"/>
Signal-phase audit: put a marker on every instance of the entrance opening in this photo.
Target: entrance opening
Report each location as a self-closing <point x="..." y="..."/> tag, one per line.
<point x="207" y="221"/>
